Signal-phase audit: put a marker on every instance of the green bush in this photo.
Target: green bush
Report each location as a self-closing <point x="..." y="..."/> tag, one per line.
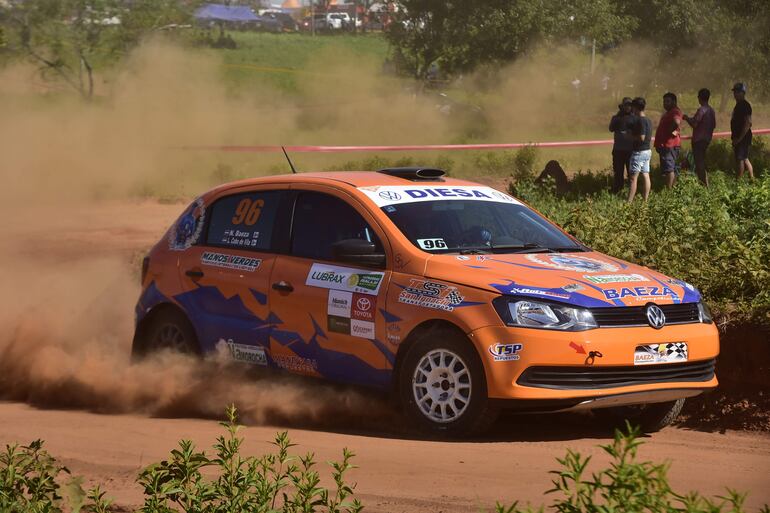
<point x="626" y="486"/>
<point x="717" y="238"/>
<point x="271" y="483"/>
<point x="281" y="483"/>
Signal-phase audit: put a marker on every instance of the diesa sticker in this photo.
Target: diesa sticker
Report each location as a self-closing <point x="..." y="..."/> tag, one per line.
<point x="431" y="244"/>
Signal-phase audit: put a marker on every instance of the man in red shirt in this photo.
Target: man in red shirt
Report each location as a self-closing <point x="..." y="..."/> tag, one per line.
<point x="667" y="140"/>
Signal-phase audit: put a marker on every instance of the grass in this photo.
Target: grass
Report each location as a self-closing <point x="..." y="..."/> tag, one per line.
<point x="283" y="60"/>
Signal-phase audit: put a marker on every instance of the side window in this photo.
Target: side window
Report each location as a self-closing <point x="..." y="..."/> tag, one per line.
<point x="244" y="220"/>
<point x="321" y="220"/>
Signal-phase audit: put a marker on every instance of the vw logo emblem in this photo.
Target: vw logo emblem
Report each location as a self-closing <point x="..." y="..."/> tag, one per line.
<point x="655" y="316"/>
<point x="390" y="196"/>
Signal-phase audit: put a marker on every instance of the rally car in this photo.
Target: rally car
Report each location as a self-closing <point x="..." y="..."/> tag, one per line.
<point x="457" y="297"/>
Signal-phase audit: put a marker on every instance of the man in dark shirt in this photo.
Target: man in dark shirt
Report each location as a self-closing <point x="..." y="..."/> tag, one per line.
<point x="621" y="149"/>
<point x="640" y="134"/>
<point x="740" y="126"/>
<point x="667" y="140"/>
<point x="703" y="123"/>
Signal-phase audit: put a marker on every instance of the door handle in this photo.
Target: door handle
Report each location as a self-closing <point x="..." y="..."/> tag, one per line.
<point x="195" y="274"/>
<point x="283" y="286"/>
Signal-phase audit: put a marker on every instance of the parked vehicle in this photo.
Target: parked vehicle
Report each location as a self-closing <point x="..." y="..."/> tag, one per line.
<point x="456" y="297"/>
<point x="287" y="23"/>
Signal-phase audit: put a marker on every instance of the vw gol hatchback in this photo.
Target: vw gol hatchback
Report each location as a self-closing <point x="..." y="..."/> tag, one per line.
<point x="456" y="296"/>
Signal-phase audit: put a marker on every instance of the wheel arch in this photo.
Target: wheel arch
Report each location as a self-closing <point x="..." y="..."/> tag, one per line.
<point x="139" y="343"/>
<point x="432" y="327"/>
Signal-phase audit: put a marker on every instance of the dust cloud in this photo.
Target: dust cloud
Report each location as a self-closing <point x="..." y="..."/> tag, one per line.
<point x="76" y="220"/>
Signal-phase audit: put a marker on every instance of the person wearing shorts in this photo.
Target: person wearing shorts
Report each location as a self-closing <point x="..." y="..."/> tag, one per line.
<point x="667" y="140"/>
<point x="641" y="154"/>
<point x="740" y="128"/>
<point x="703" y="124"/>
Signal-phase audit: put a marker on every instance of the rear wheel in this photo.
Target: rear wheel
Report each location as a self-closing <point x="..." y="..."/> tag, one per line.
<point x="649" y="417"/>
<point x="443" y="387"/>
<point x="170" y="330"/>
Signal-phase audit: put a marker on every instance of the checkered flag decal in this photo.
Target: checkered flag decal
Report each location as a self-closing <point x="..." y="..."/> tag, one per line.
<point x="454" y="297"/>
<point x="676" y="351"/>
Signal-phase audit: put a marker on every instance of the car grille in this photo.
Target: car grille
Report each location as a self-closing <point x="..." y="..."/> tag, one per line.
<point x="683" y="313"/>
<point x="565" y="378"/>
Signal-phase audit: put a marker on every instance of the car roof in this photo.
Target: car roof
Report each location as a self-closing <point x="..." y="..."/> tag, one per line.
<point x="345" y="178"/>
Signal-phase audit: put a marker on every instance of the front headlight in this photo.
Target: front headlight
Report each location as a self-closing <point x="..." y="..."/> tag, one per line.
<point x="550" y="316"/>
<point x="704" y="314"/>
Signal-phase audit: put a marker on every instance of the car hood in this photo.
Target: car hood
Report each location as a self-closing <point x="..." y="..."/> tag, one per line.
<point x="583" y="279"/>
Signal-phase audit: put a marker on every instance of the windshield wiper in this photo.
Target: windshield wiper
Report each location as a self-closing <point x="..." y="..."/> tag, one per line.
<point x="532" y="247"/>
<point x="474" y="251"/>
<point x="529" y="247"/>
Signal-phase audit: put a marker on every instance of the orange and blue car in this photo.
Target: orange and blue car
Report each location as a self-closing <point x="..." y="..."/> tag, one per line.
<point x="457" y="297"/>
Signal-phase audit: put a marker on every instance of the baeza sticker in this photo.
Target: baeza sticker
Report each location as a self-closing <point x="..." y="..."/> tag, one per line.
<point x="391" y="195"/>
<point x="230" y="261"/>
<point x="344" y="278"/>
<point x="638" y="293"/>
<point x="660" y="353"/>
<point x="431" y="295"/>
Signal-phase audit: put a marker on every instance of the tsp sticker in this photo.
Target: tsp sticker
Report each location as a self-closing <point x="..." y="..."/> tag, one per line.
<point x="431" y="244"/>
<point x="186" y="232"/>
<point x="505" y="352"/>
<point x="572" y="263"/>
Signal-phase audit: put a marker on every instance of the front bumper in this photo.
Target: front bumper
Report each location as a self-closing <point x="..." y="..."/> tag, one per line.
<point x="544" y="352"/>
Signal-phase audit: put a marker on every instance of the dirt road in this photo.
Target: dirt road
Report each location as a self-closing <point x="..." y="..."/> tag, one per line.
<point x="399" y="474"/>
<point x="64" y="339"/>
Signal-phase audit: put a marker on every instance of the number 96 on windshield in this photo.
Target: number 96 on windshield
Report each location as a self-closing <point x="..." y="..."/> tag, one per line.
<point x="430" y="244"/>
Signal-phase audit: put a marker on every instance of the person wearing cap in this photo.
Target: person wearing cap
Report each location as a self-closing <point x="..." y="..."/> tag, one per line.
<point x="622" y="147"/>
<point x="639" y="135"/>
<point x="740" y="126"/>
<point x="667" y="140"/>
<point x="703" y="124"/>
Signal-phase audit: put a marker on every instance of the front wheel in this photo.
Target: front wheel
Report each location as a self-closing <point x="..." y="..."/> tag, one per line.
<point x="443" y="387"/>
<point x="649" y="417"/>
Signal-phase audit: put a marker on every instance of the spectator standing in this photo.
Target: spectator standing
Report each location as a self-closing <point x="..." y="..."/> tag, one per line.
<point x="740" y="126"/>
<point x="703" y="124"/>
<point x="641" y="154"/>
<point x="622" y="147"/>
<point x="667" y="140"/>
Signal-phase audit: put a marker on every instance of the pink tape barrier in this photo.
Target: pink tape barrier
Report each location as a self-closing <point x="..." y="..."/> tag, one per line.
<point x="430" y="147"/>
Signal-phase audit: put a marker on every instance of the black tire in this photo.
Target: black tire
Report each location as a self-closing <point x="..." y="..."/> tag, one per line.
<point x="649" y="417"/>
<point x="169" y="330"/>
<point x="473" y="410"/>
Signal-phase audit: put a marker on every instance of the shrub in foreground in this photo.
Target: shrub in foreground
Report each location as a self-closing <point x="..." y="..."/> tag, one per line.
<point x="31" y="482"/>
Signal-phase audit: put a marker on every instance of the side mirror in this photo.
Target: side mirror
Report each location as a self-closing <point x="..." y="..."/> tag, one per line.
<point x="358" y="251"/>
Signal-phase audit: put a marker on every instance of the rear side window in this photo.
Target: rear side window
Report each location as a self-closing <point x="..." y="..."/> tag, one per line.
<point x="321" y="220"/>
<point x="244" y="220"/>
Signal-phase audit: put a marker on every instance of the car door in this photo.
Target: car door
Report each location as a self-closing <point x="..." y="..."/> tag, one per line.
<point x="226" y="276"/>
<point x="330" y="310"/>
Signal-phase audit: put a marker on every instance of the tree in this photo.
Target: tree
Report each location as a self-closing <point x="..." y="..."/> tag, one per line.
<point x="69" y="37"/>
<point x="464" y="35"/>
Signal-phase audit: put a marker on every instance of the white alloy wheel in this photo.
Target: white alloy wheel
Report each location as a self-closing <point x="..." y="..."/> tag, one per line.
<point x="442" y="386"/>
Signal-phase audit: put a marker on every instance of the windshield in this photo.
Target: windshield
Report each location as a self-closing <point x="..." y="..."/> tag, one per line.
<point x="470" y="226"/>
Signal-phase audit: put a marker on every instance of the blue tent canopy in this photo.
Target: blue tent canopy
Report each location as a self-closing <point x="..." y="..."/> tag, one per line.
<point x="221" y="12"/>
